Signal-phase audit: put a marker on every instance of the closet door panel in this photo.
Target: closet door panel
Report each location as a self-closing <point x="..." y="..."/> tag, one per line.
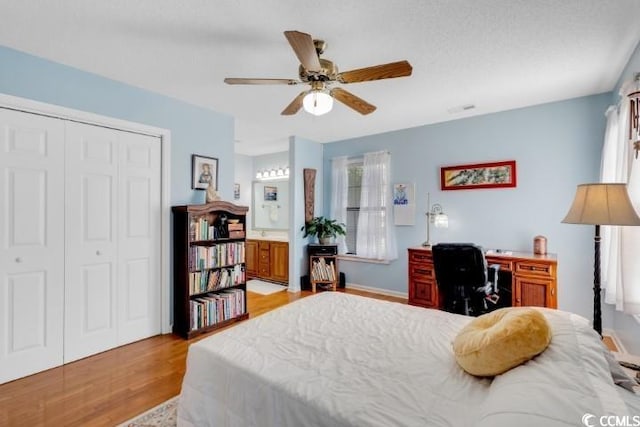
<point x="91" y="240"/>
<point x="31" y="243"/>
<point x="139" y="298"/>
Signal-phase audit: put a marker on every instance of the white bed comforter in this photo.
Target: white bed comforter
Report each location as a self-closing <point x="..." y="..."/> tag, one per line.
<point x="341" y="360"/>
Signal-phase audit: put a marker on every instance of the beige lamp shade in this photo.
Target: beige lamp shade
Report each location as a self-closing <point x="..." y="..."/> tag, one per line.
<point x="602" y="204"/>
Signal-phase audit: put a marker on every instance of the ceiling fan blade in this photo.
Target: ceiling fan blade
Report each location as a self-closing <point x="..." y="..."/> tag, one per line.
<point x="377" y="72"/>
<point x="305" y="50"/>
<point x="352" y="101"/>
<point x="240" y="81"/>
<point x="295" y="105"/>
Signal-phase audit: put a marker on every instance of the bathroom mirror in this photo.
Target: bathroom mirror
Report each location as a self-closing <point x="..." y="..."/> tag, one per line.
<point x="270" y="205"/>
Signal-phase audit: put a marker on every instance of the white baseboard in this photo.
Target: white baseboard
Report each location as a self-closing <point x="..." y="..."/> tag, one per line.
<point x="616" y="340"/>
<point x="376" y="290"/>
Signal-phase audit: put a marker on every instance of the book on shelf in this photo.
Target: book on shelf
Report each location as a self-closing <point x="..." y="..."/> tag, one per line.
<point x="218" y="255"/>
<point x="215" y="279"/>
<point x="214" y="308"/>
<point x="320" y="270"/>
<point x="201" y="229"/>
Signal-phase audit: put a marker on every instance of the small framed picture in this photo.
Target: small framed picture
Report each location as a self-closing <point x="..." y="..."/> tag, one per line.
<point x="204" y="170"/>
<point x="236" y="191"/>
<point x="270" y="193"/>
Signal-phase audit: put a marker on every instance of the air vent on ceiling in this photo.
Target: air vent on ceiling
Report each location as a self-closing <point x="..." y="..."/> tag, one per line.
<point x="461" y="108"/>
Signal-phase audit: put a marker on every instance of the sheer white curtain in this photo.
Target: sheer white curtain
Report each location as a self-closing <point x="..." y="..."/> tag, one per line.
<point x="376" y="238"/>
<point x="621" y="245"/>
<point x="339" y="193"/>
<point x="611" y="171"/>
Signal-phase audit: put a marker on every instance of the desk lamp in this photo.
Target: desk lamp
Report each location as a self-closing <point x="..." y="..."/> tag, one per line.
<point x="601" y="204"/>
<point x="436" y="216"/>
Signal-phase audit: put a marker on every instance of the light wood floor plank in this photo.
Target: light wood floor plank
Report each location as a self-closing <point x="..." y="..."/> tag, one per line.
<point x="114" y="386"/>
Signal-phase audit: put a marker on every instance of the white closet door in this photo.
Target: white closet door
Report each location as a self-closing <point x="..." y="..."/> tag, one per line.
<point x="91" y="221"/>
<point x="139" y="298"/>
<point x="31" y="243"/>
<point x="113" y="239"/>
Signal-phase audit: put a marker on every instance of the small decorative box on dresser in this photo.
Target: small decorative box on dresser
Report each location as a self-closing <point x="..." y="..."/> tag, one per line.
<point x="209" y="277"/>
<point x="533" y="278"/>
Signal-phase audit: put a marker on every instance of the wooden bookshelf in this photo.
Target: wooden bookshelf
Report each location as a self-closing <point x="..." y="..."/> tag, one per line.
<point x="209" y="274"/>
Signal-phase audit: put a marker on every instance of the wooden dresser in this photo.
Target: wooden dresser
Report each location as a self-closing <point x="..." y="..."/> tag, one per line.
<point x="533" y="278"/>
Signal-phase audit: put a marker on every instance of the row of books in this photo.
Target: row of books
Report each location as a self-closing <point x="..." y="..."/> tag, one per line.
<point x="320" y="270"/>
<point x="213" y="280"/>
<point x="220" y="255"/>
<point x="217" y="307"/>
<point x="200" y="229"/>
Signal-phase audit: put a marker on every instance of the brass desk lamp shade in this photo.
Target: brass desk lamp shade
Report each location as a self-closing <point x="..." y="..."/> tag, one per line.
<point x="601" y="204"/>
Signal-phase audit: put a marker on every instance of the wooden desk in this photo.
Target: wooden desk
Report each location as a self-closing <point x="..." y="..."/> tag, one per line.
<point x="533" y="278"/>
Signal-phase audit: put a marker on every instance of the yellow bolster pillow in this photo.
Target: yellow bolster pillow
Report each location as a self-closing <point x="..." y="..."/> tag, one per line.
<point x="500" y="340"/>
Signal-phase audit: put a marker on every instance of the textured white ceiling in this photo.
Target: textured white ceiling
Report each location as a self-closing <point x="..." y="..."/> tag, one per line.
<point x="495" y="54"/>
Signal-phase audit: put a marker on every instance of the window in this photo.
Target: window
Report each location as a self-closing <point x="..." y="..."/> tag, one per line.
<point x="360" y="198"/>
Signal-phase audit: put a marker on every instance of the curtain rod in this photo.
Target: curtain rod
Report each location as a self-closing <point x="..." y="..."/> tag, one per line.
<point x="360" y="155"/>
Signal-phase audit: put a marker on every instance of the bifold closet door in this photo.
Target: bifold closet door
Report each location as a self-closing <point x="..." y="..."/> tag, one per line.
<point x="139" y="231"/>
<point x="31" y="243"/>
<point x="112" y="292"/>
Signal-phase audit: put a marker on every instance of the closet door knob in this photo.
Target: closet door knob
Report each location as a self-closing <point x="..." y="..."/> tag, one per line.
<point x="18" y="260"/>
<point x="98" y="253"/>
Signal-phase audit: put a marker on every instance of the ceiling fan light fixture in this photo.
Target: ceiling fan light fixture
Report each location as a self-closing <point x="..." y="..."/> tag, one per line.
<point x="317" y="102"/>
<point x="321" y="74"/>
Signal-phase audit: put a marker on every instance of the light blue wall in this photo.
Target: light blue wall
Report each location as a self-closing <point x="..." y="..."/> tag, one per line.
<point x="627" y="327"/>
<point x="244" y="176"/>
<point x="556" y="146"/>
<point x="193" y="129"/>
<point x="303" y="154"/>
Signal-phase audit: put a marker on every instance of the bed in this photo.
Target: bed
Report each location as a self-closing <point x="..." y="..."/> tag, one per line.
<point x="336" y="359"/>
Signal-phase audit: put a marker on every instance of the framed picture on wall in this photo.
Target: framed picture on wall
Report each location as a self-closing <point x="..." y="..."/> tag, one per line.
<point x="478" y="175"/>
<point x="204" y="170"/>
<point x="270" y="193"/>
<point x="236" y="191"/>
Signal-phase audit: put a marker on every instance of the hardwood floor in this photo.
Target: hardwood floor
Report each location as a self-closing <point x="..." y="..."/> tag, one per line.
<point x="111" y="387"/>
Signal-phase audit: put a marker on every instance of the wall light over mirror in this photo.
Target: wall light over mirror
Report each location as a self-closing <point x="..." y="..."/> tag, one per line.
<point x="273" y="173"/>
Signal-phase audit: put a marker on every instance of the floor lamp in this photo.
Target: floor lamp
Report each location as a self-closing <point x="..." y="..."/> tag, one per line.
<point x="601" y="204"/>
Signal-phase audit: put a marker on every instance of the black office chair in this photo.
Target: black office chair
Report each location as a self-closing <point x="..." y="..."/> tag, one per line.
<point x="468" y="286"/>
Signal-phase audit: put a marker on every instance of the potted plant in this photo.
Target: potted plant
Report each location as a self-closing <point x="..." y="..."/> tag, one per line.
<point x="326" y="229"/>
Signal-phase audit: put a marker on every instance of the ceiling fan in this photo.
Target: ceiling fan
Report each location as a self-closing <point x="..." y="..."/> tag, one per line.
<point x="322" y="74"/>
